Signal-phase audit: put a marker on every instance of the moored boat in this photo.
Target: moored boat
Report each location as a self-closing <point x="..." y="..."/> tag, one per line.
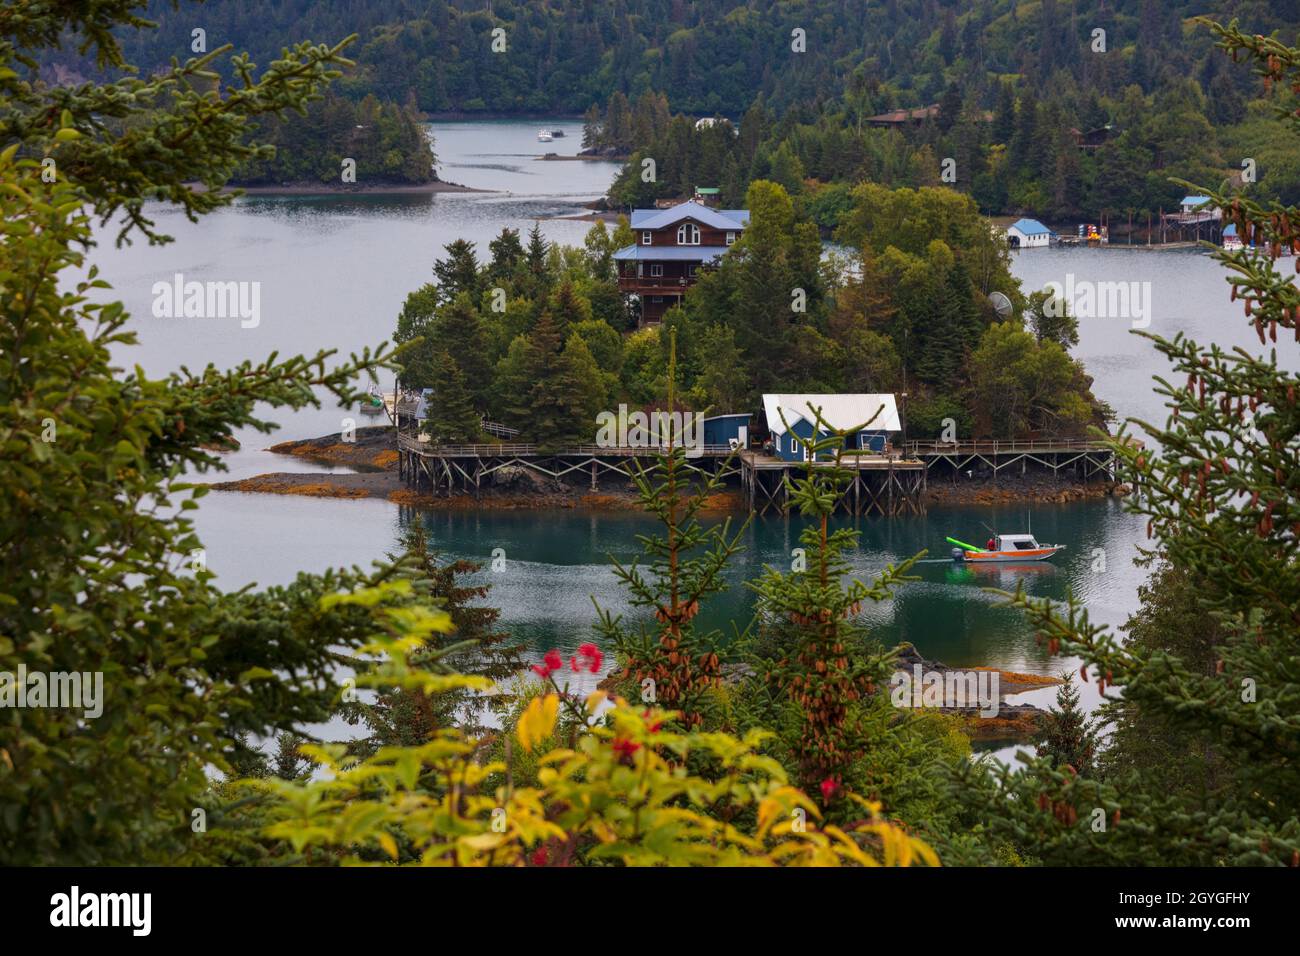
<point x="544" y="136"/>
<point x="1005" y="547"/>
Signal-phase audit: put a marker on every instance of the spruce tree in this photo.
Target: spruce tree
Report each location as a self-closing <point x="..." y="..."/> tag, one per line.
<point x="669" y="659"/>
<point x="458" y="331"/>
<point x="813" y="649"/>
<point x="459" y="272"/>
<point x="1069" y="736"/>
<point x="452" y="419"/>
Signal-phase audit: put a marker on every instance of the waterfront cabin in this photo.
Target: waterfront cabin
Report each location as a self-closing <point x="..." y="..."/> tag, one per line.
<point x="1028" y="233"/>
<point x="1196" y="209"/>
<point x="671" y="247"/>
<point x="790" y="437"/>
<point x="727" y="431"/>
<point x="1231" y="241"/>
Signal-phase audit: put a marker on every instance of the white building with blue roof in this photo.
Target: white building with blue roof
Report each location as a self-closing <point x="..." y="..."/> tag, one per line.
<point x="1028" y="233"/>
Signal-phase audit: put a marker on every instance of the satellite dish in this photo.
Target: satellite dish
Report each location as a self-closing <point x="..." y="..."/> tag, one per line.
<point x="1001" y="304"/>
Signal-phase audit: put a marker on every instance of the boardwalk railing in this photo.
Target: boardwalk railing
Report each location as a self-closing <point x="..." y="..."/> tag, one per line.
<point x="525" y="450"/>
<point x="1004" y="447"/>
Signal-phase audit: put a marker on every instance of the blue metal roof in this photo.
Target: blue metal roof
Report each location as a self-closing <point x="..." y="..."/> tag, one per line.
<point x="1030" y="227"/>
<point x="669" y="253"/>
<point x="1194" y="200"/>
<point x="716" y="218"/>
<point x="1230" y="230"/>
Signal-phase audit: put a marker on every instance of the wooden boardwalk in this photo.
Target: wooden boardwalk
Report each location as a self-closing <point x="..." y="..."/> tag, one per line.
<point x="891" y="483"/>
<point x="1086" y="459"/>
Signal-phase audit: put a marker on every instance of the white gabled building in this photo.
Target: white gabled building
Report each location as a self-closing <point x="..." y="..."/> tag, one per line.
<point x="1028" y="233"/>
<point x="791" y="421"/>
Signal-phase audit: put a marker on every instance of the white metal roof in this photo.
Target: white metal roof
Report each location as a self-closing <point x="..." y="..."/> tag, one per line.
<point x="839" y="411"/>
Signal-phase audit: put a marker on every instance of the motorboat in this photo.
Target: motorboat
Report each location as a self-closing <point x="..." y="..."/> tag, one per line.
<point x="1006" y="547"/>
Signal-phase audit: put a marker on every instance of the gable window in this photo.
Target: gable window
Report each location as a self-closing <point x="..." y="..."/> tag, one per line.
<point x="656" y="269"/>
<point x="795" y="448"/>
<point x="688" y="234"/>
<point x="645" y="237"/>
<point x="731" y="237"/>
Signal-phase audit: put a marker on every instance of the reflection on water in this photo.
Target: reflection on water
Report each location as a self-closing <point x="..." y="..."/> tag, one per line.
<point x="556" y="561"/>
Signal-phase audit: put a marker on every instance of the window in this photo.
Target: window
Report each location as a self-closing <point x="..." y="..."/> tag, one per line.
<point x="690" y="271"/>
<point x="794" y="446"/>
<point x="645" y="237"/>
<point x="656" y="269"/>
<point x="688" y="234"/>
<point x="731" y="237"/>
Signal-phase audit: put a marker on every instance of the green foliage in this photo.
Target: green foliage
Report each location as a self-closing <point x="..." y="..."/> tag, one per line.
<point x="1070" y="737"/>
<point x="98" y="500"/>
<point x="1019" y="384"/>
<point x="177" y="135"/>
<point x="387" y="143"/>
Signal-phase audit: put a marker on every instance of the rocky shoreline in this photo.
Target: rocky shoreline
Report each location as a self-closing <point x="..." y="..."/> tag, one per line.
<point x="1028" y="487"/>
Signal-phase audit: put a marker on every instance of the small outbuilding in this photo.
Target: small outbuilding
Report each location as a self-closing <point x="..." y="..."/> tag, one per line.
<point x="727" y="431"/>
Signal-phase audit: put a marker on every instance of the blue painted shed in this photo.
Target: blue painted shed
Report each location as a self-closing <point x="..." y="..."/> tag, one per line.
<point x="723" y="429"/>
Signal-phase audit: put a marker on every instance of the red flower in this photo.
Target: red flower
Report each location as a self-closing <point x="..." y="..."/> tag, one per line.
<point x="625" y="748"/>
<point x="551" y="663"/>
<point x="539" y="856"/>
<point x="654" y="725"/>
<point x="830" y="786"/>
<point x="588" y="656"/>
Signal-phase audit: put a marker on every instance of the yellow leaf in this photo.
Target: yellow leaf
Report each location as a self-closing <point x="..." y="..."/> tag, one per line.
<point x="537" y="721"/>
<point x="389" y="844"/>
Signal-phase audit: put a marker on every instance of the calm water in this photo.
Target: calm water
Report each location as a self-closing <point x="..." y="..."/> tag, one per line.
<point x="334" y="272"/>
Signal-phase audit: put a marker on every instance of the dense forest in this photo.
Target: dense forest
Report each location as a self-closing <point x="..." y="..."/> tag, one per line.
<point x="1062" y="154"/>
<point x="717" y="56"/>
<point x="386" y="144"/>
<point x="532" y="327"/>
<point x="1020" y="87"/>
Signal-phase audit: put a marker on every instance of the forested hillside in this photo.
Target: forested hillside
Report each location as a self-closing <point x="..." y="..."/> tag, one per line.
<point x="718" y="55"/>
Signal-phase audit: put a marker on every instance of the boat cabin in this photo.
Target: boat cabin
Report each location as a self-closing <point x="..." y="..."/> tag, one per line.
<point x="1016" y="542"/>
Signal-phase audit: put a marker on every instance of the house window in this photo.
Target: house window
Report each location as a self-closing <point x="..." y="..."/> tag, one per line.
<point x="645" y="238"/>
<point x="795" y="447"/>
<point x="688" y="234"/>
<point x="656" y="270"/>
<point x="731" y="237"/>
<point x="691" y="270"/>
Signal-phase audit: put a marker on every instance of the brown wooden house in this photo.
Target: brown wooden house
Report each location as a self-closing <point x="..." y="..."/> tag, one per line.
<point x="671" y="247"/>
